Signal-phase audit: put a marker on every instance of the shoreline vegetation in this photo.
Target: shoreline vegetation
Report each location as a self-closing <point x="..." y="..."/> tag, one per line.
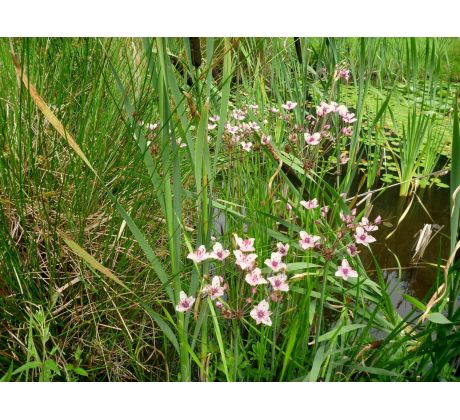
<point x="205" y="209"/>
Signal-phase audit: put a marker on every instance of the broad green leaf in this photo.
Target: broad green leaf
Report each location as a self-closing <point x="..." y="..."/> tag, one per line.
<point x="438" y="318"/>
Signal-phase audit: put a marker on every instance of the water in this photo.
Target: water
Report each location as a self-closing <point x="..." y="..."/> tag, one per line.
<point x="416" y="279"/>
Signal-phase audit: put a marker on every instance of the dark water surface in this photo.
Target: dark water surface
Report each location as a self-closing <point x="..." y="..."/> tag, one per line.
<point x="416" y="278"/>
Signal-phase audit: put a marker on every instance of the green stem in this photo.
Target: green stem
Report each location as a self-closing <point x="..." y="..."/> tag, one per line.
<point x="319" y="313"/>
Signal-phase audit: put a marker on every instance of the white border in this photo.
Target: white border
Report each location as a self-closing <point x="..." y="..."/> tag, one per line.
<point x="229" y="18"/>
<point x="135" y="401"/>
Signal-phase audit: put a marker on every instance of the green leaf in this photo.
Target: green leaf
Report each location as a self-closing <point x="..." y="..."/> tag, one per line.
<point x="438" y="318"/>
<point x="163" y="326"/>
<point x="9" y="373"/>
<point x="415" y="302"/>
<point x="339" y="331"/>
<point x="376" y="371"/>
<point x="320" y="356"/>
<point x="219" y="338"/>
<point x="455" y="180"/>
<point x="52" y="366"/>
<point x="27" y="366"/>
<point x="80" y="371"/>
<point x="300" y="266"/>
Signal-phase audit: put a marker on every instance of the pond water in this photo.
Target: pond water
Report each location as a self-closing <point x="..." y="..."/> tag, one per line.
<point x="416" y="278"/>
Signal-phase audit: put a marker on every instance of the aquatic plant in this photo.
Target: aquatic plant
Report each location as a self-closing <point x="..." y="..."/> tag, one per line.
<point x="185" y="211"/>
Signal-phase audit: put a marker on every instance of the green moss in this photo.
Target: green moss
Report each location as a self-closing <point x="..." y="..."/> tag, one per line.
<point x="451" y="67"/>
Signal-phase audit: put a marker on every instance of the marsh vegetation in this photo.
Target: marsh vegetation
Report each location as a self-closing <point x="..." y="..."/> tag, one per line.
<point x="229" y="209"/>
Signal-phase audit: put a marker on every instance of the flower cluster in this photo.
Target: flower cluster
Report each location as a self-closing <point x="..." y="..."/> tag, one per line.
<point x="245" y="133"/>
<point x="246" y="260"/>
<point x="343" y="73"/>
<point x="241" y="132"/>
<point x="276" y="282"/>
<point x="311" y="140"/>
<point x="334" y="108"/>
<point x="360" y="231"/>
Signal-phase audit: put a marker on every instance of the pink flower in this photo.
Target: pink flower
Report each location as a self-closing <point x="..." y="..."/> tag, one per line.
<point x="378" y="220"/>
<point x="219" y="304"/>
<point x="232" y="129"/>
<point x="261" y="313"/>
<point x="245" y="128"/>
<point x="308" y="241"/>
<point x="254" y="126"/>
<point x="244" y="261"/>
<point x="245" y="245"/>
<point x="352" y="250"/>
<point x="324" y="210"/>
<point x="235" y="139"/>
<point x="288" y="207"/>
<point x="310" y="204"/>
<point x="342" y="110"/>
<point x="199" y="255"/>
<point x="212" y="126"/>
<point x="265" y="140"/>
<point x="185" y="302"/>
<point x="239" y="114"/>
<point x="343" y="74"/>
<point x="347" y="131"/>
<point x="246" y="146"/>
<point x="289" y="106"/>
<point x="345" y="270"/>
<point x="282" y="249"/>
<point x="254" y="278"/>
<point x="346" y="74"/>
<point x="362" y="236"/>
<point x="214" y="290"/>
<point x="274" y="110"/>
<point x="349" y="118"/>
<point x="218" y="252"/>
<point x="312" y="139"/>
<point x="324" y="109"/>
<point x="278" y="282"/>
<point x="347" y="218"/>
<point x="214" y="118"/>
<point x="275" y="262"/>
<point x="254" y="107"/>
<point x="367" y="225"/>
<point x="333" y="106"/>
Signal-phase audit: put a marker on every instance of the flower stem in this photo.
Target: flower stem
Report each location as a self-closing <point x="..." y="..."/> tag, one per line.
<point x="320" y="307"/>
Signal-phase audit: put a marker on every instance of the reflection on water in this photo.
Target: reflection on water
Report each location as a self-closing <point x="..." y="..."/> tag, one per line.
<point x="415" y="279"/>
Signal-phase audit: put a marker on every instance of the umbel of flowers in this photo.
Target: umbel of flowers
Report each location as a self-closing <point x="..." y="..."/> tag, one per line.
<point x="275" y="284"/>
<point x="245" y="260"/>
